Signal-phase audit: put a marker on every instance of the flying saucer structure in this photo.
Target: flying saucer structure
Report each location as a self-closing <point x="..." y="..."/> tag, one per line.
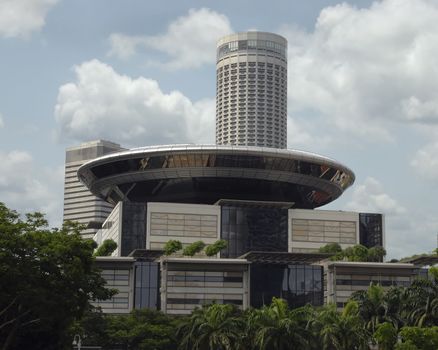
<point x="208" y="173"/>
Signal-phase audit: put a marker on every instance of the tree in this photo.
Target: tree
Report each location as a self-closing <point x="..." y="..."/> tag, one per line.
<point x="141" y="329"/>
<point x="217" y="326"/>
<point x="332" y="248"/>
<point x="422" y="338"/>
<point x="371" y="306"/>
<point x="386" y="336"/>
<point x="48" y="277"/>
<point x="376" y="254"/>
<point x="107" y="247"/>
<point x="193" y="248"/>
<point x="172" y="246"/>
<point x="341" y="331"/>
<point x="276" y="327"/>
<point x="356" y="253"/>
<point x="216" y="247"/>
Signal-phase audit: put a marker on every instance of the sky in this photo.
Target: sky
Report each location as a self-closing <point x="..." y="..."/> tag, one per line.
<point x="362" y="89"/>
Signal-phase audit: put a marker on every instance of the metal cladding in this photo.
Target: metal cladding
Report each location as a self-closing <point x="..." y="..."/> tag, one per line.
<point x="208" y="173"/>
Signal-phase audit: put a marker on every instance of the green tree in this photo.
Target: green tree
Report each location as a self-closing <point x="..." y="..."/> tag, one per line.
<point x="172" y="246"/>
<point x="216" y="247"/>
<point x="341" y="331"/>
<point x="107" y="247"/>
<point x="422" y="338"/>
<point x="423" y="302"/>
<point x="376" y="254"/>
<point x="48" y="277"/>
<point x="276" y="327"/>
<point x="193" y="248"/>
<point x="217" y="326"/>
<point x="141" y="329"/>
<point x="371" y="306"/>
<point x="357" y="252"/>
<point x="332" y="248"/>
<point x="386" y="336"/>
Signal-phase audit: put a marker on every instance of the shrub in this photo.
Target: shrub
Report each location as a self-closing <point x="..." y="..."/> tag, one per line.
<point x="172" y="246"/>
<point x="193" y="248"/>
<point x="216" y="247"/>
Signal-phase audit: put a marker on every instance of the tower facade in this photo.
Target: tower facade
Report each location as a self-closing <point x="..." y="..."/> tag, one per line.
<point x="251" y="90"/>
<point x="80" y="204"/>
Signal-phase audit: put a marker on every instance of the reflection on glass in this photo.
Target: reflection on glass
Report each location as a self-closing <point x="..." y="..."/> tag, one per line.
<point x="146" y="285"/>
<point x="253" y="229"/>
<point x="297" y="284"/>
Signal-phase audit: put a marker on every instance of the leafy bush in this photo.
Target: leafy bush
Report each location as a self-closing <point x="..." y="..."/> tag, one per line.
<point x="106" y="248"/>
<point x="193" y="248"/>
<point x="172" y="246"/>
<point x="216" y="247"/>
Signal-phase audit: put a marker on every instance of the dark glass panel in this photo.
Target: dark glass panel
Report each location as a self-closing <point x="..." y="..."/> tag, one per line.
<point x="253" y="229"/>
<point x="297" y="284"/>
<point x="371" y="229"/>
<point x="147" y="285"/>
<point x="133" y="227"/>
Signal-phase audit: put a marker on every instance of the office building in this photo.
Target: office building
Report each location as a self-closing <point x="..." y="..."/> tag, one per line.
<point x="248" y="190"/>
<point x="79" y="204"/>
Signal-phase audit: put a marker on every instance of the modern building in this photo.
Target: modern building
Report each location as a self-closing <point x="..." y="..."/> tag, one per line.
<point x="251" y="90"/>
<point x="248" y="190"/>
<point x="343" y="278"/>
<point x="79" y="204"/>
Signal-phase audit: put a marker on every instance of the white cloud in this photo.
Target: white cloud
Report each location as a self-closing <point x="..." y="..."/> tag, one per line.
<point x="425" y="161"/>
<point x="2" y="123"/>
<point x="26" y="188"/>
<point x="19" y="18"/>
<point x="407" y="231"/>
<point x="365" y="68"/>
<point x="298" y="136"/>
<point x="190" y="41"/>
<point x="371" y="197"/>
<point x="104" y="104"/>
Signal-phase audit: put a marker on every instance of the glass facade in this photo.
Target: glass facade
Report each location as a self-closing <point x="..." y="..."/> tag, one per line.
<point x="133" y="227"/>
<point x="253" y="229"/>
<point x="297" y="284"/>
<point x="217" y="160"/>
<point x="147" y="285"/>
<point x="209" y="175"/>
<point x="371" y="229"/>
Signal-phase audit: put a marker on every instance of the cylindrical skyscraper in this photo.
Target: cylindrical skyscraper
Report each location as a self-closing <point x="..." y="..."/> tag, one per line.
<point x="251" y="90"/>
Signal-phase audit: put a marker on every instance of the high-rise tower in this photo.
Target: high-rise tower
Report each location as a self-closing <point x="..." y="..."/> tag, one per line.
<point x="79" y="203"/>
<point x="251" y="90"/>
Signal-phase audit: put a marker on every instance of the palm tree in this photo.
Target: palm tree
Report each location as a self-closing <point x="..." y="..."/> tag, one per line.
<point x="423" y="302"/>
<point x="277" y="327"/>
<point x="341" y="331"/>
<point x="217" y="326"/>
<point x="371" y="305"/>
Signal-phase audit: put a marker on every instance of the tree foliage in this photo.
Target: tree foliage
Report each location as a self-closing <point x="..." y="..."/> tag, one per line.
<point x="386" y="336"/>
<point x="141" y="329"/>
<point x="357" y="252"/>
<point x="421" y="338"/>
<point x="107" y="247"/>
<point x="48" y="278"/>
<point x="217" y="326"/>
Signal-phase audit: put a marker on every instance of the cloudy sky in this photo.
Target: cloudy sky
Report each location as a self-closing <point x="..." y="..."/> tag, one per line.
<point x="363" y="82"/>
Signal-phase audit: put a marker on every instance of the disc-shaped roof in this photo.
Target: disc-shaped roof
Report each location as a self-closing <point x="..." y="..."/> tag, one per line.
<point x="208" y="173"/>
